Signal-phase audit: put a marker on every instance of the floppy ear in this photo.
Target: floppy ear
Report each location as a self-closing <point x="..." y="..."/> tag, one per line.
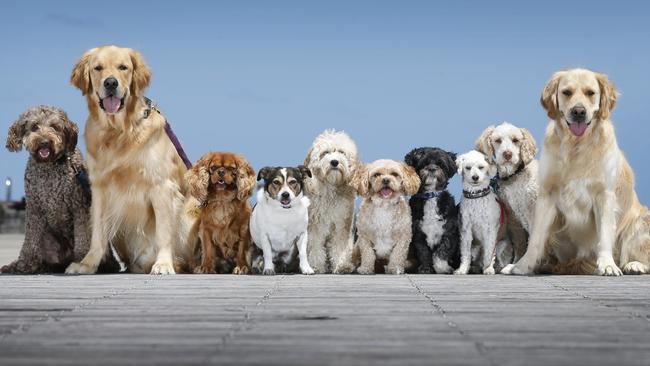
<point x="360" y="180"/>
<point x="484" y="143"/>
<point x="459" y="163"/>
<point x="450" y="164"/>
<point x="306" y="173"/>
<point x="413" y="157"/>
<point x="198" y="178"/>
<point x="80" y="77"/>
<point x="608" y="96"/>
<point x="245" y="178"/>
<point x="263" y="173"/>
<point x="71" y="132"/>
<point x="528" y="146"/>
<point x="141" y="74"/>
<point x="410" y="180"/>
<point x="549" y="96"/>
<point x="16" y="134"/>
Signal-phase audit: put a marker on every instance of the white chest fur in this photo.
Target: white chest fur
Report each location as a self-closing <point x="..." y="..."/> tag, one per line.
<point x="432" y="224"/>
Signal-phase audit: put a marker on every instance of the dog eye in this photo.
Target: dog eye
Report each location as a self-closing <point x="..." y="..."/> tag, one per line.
<point x="481" y="167"/>
<point x="99" y="68"/>
<point x="515" y="140"/>
<point x="567" y="92"/>
<point x="590" y="93"/>
<point x="498" y="141"/>
<point x="122" y="68"/>
<point x="277" y="182"/>
<point x="468" y="168"/>
<point x="394" y="174"/>
<point x="56" y="128"/>
<point x="376" y="175"/>
<point x="213" y="168"/>
<point x="34" y="128"/>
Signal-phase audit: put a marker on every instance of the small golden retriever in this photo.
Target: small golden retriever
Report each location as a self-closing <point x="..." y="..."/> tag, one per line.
<point x="134" y="168"/>
<point x="588" y="219"/>
<point x="223" y="183"/>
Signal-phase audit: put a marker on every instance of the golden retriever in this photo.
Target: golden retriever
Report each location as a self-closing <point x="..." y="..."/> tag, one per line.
<point x="136" y="173"/>
<point x="588" y="219"/>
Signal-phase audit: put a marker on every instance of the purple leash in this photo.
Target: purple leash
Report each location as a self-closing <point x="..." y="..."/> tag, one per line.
<point x="177" y="145"/>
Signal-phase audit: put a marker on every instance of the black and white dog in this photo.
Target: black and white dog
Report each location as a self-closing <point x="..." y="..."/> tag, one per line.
<point x="435" y="241"/>
<point x="279" y="221"/>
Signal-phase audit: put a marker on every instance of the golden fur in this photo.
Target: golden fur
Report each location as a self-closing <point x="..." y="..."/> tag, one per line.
<point x="223" y="182"/>
<point x="587" y="218"/>
<point x="136" y="173"/>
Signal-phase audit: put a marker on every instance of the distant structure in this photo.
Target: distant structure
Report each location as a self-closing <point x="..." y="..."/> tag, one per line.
<point x="8" y="186"/>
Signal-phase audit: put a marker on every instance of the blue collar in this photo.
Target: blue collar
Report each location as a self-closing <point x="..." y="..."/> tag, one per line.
<point x="428" y="195"/>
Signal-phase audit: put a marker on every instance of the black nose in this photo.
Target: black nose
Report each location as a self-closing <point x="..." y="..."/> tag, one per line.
<point x="385" y="181"/>
<point x="285" y="195"/>
<point x="474" y="178"/>
<point x="110" y="83"/>
<point x="44" y="143"/>
<point x="578" y="113"/>
<point x="334" y="163"/>
<point x="221" y="173"/>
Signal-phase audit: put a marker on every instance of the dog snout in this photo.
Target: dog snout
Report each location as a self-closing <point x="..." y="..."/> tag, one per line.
<point x="475" y="178"/>
<point x="110" y="83"/>
<point x="385" y="181"/>
<point x="334" y="163"/>
<point x="285" y="195"/>
<point x="578" y="113"/>
<point x="221" y="172"/>
<point x="507" y="155"/>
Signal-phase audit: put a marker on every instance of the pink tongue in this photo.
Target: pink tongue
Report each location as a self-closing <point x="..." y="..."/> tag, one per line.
<point x="386" y="192"/>
<point x="578" y="129"/>
<point x="111" y="104"/>
<point x="44" y="153"/>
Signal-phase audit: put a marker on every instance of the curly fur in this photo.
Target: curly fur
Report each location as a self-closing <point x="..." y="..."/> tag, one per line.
<point x="512" y="147"/>
<point x="58" y="202"/>
<point x="332" y="201"/>
<point x="384" y="218"/>
<point x="435" y="241"/>
<point x="223" y="182"/>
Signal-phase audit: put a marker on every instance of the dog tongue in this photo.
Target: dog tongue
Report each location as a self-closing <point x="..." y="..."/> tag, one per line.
<point x="578" y="129"/>
<point x="386" y="192"/>
<point x="111" y="104"/>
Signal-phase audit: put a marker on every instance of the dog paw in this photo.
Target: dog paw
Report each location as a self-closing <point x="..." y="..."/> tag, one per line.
<point x="344" y="268"/>
<point x="162" y="268"/>
<point x="269" y="272"/>
<point x="607" y="267"/>
<point x="462" y="271"/>
<point x="488" y="271"/>
<point x="80" y="268"/>
<point x="635" y="268"/>
<point x="395" y="270"/>
<point x="307" y="270"/>
<point x="365" y="270"/>
<point x="240" y="270"/>
<point x="513" y="269"/>
<point x="424" y="269"/>
<point x="204" y="270"/>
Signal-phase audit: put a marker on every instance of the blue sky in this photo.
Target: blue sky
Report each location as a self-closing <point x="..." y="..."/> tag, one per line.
<point x="263" y="78"/>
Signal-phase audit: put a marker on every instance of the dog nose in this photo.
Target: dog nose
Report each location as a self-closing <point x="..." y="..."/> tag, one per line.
<point x="285" y="195"/>
<point x="110" y="83"/>
<point x="474" y="178"/>
<point x="43" y="143"/>
<point x="578" y="113"/>
<point x="221" y="173"/>
<point x="507" y="155"/>
<point x="385" y="181"/>
<point x="334" y="163"/>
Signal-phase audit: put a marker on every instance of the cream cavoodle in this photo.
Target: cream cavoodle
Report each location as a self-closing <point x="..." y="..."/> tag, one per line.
<point x="332" y="160"/>
<point x="384" y="218"/>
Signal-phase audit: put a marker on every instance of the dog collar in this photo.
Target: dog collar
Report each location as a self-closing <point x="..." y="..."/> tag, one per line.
<point x="520" y="168"/>
<point x="428" y="195"/>
<point x="477" y="194"/>
<point x="152" y="106"/>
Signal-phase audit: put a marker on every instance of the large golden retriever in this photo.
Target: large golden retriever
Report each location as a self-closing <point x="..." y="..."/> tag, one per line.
<point x="588" y="219"/>
<point x="135" y="171"/>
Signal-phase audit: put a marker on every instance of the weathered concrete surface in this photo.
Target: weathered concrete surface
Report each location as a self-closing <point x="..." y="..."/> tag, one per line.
<point x="324" y="320"/>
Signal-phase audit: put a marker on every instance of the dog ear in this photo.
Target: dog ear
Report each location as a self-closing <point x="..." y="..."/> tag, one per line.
<point x="411" y="180"/>
<point x="263" y="173"/>
<point x="141" y="74"/>
<point x="16" y="134"/>
<point x="80" y="77"/>
<point x="360" y="180"/>
<point x="492" y="167"/>
<point x="459" y="163"/>
<point x="306" y="173"/>
<point x="450" y="167"/>
<point x="198" y="178"/>
<point x="413" y="157"/>
<point x="245" y="178"/>
<point x="608" y="96"/>
<point x="549" y="96"/>
<point x="71" y="132"/>
<point x="484" y="143"/>
<point x="528" y="146"/>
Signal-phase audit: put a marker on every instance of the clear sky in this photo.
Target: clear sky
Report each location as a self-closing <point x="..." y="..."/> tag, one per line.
<point x="263" y="78"/>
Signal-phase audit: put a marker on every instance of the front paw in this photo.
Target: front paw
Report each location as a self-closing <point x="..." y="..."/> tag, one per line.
<point x="514" y="269"/>
<point x="80" y="268"/>
<point x="344" y="268"/>
<point x="365" y="270"/>
<point x="462" y="270"/>
<point x="488" y="271"/>
<point x="270" y="271"/>
<point x="306" y="270"/>
<point x="162" y="268"/>
<point x="204" y="270"/>
<point x="241" y="270"/>
<point x="635" y="268"/>
<point x="425" y="269"/>
<point x="607" y="267"/>
<point x="394" y="270"/>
